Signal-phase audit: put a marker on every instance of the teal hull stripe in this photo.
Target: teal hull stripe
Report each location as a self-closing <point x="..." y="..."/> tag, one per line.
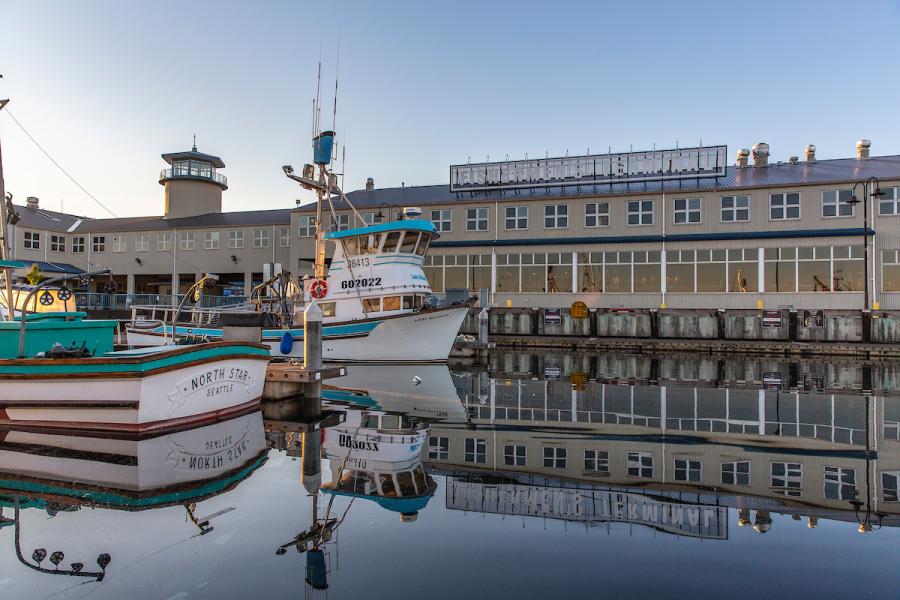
<point x="150" y="365"/>
<point x="349" y="397"/>
<point x="328" y="331"/>
<point x="109" y="498"/>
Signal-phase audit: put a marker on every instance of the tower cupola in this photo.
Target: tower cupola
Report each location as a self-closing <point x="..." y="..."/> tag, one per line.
<point x="193" y="184"/>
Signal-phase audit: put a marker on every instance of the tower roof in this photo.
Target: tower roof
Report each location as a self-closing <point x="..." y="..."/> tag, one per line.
<point x="193" y="154"/>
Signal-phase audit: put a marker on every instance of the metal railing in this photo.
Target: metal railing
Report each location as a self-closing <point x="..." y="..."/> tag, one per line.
<point x="180" y="174"/>
<point x="100" y="301"/>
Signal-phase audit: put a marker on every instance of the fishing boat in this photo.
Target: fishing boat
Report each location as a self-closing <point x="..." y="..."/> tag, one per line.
<point x="58" y="370"/>
<point x="376" y="300"/>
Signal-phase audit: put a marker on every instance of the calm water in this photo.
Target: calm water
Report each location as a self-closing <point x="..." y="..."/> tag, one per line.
<point x="537" y="476"/>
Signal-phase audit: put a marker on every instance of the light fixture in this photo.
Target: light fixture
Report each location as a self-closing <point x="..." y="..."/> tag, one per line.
<point x="234" y="259"/>
<point x="288" y="169"/>
<point x="138" y="261"/>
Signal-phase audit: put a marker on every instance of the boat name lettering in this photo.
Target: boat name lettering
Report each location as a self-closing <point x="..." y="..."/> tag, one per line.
<point x="359" y="262"/>
<point x="234" y="374"/>
<point x="418" y="277"/>
<point x="357" y="283"/>
<point x="219" y="460"/>
<point x="218" y="444"/>
<point x="347" y="441"/>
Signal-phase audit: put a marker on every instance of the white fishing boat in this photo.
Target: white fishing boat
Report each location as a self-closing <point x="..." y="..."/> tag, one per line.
<point x="377" y="303"/>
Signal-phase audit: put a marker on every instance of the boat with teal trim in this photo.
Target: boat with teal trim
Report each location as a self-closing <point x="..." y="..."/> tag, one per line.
<point x="376" y="300"/>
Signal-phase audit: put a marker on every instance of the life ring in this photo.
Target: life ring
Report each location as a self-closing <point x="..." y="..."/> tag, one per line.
<point x="318" y="289"/>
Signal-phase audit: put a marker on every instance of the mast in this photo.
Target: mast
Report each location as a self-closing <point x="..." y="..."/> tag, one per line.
<point x="4" y="237"/>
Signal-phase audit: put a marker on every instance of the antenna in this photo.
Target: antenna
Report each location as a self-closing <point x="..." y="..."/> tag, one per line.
<point x="337" y="69"/>
<point x="194" y="148"/>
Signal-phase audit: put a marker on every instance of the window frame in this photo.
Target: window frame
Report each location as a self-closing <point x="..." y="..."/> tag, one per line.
<point x="597" y="215"/>
<point x="141" y="242"/>
<point x="31" y="240"/>
<point x="165" y="241"/>
<point x="516" y="218"/>
<point x="306" y="223"/>
<point x="57" y="243"/>
<point x="784" y="206"/>
<point x="442" y="224"/>
<point x="79" y="244"/>
<point x="557" y="216"/>
<point x="734" y="208"/>
<point x="236" y="239"/>
<point x="687" y="211"/>
<point x="187" y="241"/>
<point x="211" y="240"/>
<point x="98" y="243"/>
<point x="262" y="236"/>
<point x="473" y="223"/>
<point x="640" y="213"/>
<point x="837" y="205"/>
<point x="518" y="459"/>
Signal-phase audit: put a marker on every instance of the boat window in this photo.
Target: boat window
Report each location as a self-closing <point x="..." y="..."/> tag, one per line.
<point x="387" y="485"/>
<point x="328" y="309"/>
<point x="405" y="482"/>
<point x="374" y="243"/>
<point x="409" y="242"/>
<point x="390" y="422"/>
<point x="421" y="480"/>
<point x="422" y="248"/>
<point x="407" y="301"/>
<point x="370" y="421"/>
<point x="351" y="246"/>
<point x="391" y="241"/>
<point x="392" y="303"/>
<point x="372" y="304"/>
<point x="417" y="301"/>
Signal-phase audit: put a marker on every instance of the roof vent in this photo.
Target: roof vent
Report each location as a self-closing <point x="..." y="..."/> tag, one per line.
<point x="370" y="184"/>
<point x="862" y="148"/>
<point x="793" y="160"/>
<point x="810" y="153"/>
<point x="760" y="154"/>
<point x="31" y="202"/>
<point x="742" y="156"/>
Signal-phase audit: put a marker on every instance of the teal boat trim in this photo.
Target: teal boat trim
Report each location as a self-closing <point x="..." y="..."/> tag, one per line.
<point x="411" y="225"/>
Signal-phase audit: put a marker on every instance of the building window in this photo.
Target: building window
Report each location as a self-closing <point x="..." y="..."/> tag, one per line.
<point x="438" y="447"/>
<point x="32" y="240"/>
<point x="834" y="203"/>
<point x="57" y="243"/>
<point x="687" y="211"/>
<point x="514" y="455"/>
<point x="640" y="464"/>
<point x="596" y="214"/>
<point x="516" y="217"/>
<point x="555" y="457"/>
<point x="441" y="220"/>
<point x="476" y="219"/>
<point x="840" y="483"/>
<point x="889" y="481"/>
<point x="735" y="208"/>
<point x="890" y="201"/>
<point x="235" y="239"/>
<point x="596" y="461"/>
<point x="98" y="244"/>
<point x="736" y="473"/>
<point x="368" y="218"/>
<point x="556" y="216"/>
<point x="186" y="240"/>
<point x="338" y="223"/>
<point x="475" y="451"/>
<point x="306" y="226"/>
<point x="787" y="478"/>
<point x="164" y="241"/>
<point x="687" y="470"/>
<point x="784" y="206"/>
<point x="78" y="244"/>
<point x="211" y="240"/>
<point x="262" y="237"/>
<point x="141" y="242"/>
<point x="119" y="243"/>
<point x="640" y="212"/>
<point x="284" y="237"/>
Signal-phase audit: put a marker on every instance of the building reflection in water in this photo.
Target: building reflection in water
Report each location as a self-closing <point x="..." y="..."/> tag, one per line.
<point x="673" y="443"/>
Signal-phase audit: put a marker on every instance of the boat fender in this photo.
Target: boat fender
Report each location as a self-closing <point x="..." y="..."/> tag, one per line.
<point x="287" y="343"/>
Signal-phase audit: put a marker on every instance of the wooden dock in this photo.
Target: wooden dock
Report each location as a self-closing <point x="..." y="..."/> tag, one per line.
<point x="289" y="378"/>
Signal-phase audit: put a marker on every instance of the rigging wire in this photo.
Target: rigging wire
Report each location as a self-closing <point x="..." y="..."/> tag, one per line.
<point x="58" y="166"/>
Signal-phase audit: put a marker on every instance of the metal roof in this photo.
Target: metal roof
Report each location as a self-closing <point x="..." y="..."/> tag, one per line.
<point x="281" y="216"/>
<point x="38" y="218"/>
<point x="801" y="173"/>
<point x="194" y="155"/>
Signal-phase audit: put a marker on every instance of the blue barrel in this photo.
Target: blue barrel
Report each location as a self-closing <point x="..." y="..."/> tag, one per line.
<point x="316" y="574"/>
<point x="287" y="343"/>
<point x="322" y="145"/>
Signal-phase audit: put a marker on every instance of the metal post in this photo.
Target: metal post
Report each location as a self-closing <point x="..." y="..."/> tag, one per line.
<point x="483" y="325"/>
<point x="5" y="250"/>
<point x="312" y="354"/>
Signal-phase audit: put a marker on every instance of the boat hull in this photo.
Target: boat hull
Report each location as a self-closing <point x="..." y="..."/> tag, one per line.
<point x="425" y="336"/>
<point x="134" y="393"/>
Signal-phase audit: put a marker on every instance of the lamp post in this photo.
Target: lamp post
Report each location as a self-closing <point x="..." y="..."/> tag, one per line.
<point x="874" y="192"/>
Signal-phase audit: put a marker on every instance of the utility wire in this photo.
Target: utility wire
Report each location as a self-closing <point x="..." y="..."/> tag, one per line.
<point x="58" y="166"/>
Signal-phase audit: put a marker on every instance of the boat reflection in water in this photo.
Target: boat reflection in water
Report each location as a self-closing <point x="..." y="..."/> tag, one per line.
<point x="61" y="474"/>
<point x="620" y="439"/>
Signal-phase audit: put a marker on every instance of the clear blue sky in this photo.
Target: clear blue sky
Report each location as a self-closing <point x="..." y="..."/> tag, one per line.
<point x="106" y="87"/>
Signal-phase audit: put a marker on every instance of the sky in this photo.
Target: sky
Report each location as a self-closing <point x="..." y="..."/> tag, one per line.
<point x="105" y="87"/>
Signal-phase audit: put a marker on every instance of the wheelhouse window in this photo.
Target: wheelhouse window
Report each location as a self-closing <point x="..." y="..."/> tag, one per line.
<point x="477" y="219"/>
<point x="687" y="211"/>
<point x="640" y="212"/>
<point x="329" y="309"/>
<point x="409" y="242"/>
<point x="391" y="303"/>
<point x="441" y="219"/>
<point x="889" y="204"/>
<point x="372" y="305"/>
<point x="306" y="226"/>
<point x="57" y="243"/>
<point x="556" y="216"/>
<point x="422" y="248"/>
<point x="391" y="240"/>
<point x="784" y="206"/>
<point x="735" y="209"/>
<point x="835" y="203"/>
<point x="32" y="240"/>
<point x="98" y="244"/>
<point x="516" y="217"/>
<point x="596" y="214"/>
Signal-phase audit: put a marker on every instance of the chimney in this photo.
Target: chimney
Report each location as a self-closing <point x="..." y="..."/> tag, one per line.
<point x="810" y="153"/>
<point x="862" y="148"/>
<point x="31" y="202"/>
<point x="760" y="154"/>
<point x="742" y="155"/>
<point x="370" y="184"/>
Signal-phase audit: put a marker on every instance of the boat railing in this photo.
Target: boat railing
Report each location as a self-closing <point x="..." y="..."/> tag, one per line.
<point x="197" y="315"/>
<point x="101" y="301"/>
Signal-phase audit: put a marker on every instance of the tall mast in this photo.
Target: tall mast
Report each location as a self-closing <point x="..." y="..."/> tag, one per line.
<point x="4" y="238"/>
